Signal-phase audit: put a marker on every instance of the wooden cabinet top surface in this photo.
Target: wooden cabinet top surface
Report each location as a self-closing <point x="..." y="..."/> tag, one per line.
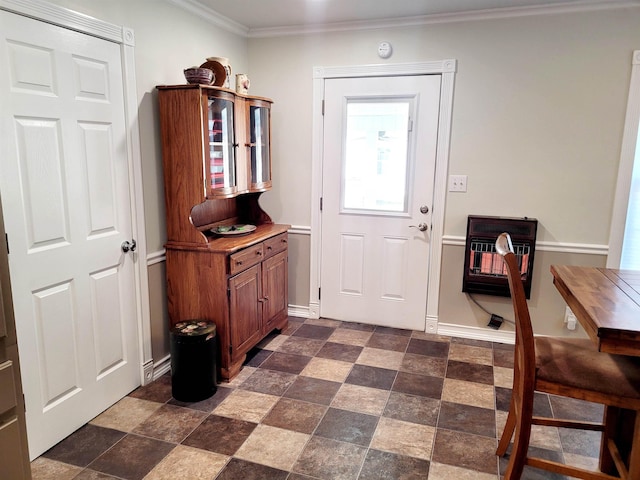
<point x="231" y="244"/>
<point x="189" y="86"/>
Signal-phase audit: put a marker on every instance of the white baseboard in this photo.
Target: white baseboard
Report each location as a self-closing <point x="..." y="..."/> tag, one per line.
<point x="476" y="333"/>
<point x="299" y="311"/>
<point x="163" y="366"/>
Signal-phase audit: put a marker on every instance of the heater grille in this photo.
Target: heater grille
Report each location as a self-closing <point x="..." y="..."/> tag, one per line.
<point x="484" y="269"/>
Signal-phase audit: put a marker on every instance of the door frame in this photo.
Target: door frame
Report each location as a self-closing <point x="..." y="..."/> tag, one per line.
<point x="123" y="36"/>
<point x="447" y="70"/>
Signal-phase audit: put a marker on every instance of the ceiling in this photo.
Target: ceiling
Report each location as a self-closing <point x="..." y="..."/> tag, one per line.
<point x="255" y="15"/>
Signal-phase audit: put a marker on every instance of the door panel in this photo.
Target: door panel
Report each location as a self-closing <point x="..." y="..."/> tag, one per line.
<point x="379" y="152"/>
<point x="64" y="178"/>
<point x="245" y="315"/>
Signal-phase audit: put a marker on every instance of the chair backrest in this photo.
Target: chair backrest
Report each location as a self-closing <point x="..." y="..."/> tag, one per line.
<point x="525" y="346"/>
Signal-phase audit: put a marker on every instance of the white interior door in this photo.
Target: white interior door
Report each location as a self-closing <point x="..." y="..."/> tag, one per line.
<point x="379" y="153"/>
<point x="64" y="178"/>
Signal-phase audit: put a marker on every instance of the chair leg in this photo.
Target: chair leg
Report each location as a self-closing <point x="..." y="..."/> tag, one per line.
<point x="507" y="433"/>
<point x="519" y="453"/>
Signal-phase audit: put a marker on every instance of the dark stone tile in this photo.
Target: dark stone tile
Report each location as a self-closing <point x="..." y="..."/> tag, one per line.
<point x="572" y="409"/>
<point x="541" y="405"/>
<point x="374" y="377"/>
<point x="301" y="346"/>
<point x="317" y="332"/>
<point x="240" y="469"/>
<point x="503" y="398"/>
<point x="530" y="473"/>
<point x="503" y="357"/>
<point x="464" y="450"/>
<point x="285" y="362"/>
<point x="171" y="423"/>
<point x="313" y="390"/>
<point x="157" y="391"/>
<point x="580" y="442"/>
<point x="423" y="365"/>
<point x="295" y="415"/>
<point x="84" y="445"/>
<point x="220" y="434"/>
<point x="470" y="372"/>
<point x="269" y="381"/>
<point x="256" y="356"/>
<point x="468" y="419"/>
<point x="330" y="459"/>
<point x="207" y="405"/>
<point x="384" y="465"/>
<point x="411" y="408"/>
<point x="364" y="327"/>
<point x="428" y="347"/>
<point x="421" y="385"/>
<point x="388" y="342"/>
<point x="132" y="458"/>
<point x="401" y="332"/>
<point x="346" y="426"/>
<point x="340" y="351"/>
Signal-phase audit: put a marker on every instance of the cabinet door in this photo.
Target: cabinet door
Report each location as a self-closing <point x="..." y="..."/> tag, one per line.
<point x="275" y="277"/>
<point x="259" y="144"/>
<point x="245" y="314"/>
<point x="220" y="164"/>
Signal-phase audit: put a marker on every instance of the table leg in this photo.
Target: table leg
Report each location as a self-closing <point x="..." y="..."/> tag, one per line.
<point x="611" y="416"/>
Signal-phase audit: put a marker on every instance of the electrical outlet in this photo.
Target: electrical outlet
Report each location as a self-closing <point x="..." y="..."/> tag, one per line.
<point x="457" y="183"/>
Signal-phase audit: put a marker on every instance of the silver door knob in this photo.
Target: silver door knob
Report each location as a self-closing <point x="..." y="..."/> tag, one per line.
<point x="424" y="209"/>
<point x="128" y="246"/>
<point x="421" y="226"/>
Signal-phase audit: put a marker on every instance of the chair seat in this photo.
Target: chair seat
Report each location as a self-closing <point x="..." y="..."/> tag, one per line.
<point x="576" y="363"/>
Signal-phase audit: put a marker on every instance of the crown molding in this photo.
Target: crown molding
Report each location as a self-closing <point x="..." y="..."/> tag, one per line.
<point x="487" y="14"/>
<point x="212" y="16"/>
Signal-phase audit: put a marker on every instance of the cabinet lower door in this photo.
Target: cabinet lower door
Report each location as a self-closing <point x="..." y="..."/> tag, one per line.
<point x="245" y="315"/>
<point x="275" y="283"/>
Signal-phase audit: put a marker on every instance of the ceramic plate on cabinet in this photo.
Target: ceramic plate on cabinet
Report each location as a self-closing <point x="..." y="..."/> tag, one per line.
<point x="234" y="230"/>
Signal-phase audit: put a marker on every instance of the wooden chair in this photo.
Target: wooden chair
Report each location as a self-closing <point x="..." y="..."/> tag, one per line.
<point x="571" y="368"/>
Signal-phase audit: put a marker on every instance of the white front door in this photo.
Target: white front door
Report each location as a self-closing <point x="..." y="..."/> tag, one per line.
<point x="379" y="154"/>
<point x="64" y="178"/>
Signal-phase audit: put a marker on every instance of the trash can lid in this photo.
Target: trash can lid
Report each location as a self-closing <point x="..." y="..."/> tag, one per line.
<point x="193" y="328"/>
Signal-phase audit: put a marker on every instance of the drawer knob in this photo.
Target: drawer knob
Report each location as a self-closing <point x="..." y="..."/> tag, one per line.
<point x="269" y="247"/>
<point x="258" y="253"/>
<point x="238" y="262"/>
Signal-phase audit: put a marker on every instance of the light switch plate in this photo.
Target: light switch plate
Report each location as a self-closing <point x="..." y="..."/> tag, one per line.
<point x="457" y="183"/>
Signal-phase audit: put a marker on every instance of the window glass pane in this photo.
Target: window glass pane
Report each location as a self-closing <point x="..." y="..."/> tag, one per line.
<point x="630" y="258"/>
<point x="375" y="163"/>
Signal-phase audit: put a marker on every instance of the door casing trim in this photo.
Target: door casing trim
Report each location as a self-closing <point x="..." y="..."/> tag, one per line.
<point x="447" y="70"/>
<point x="69" y="19"/>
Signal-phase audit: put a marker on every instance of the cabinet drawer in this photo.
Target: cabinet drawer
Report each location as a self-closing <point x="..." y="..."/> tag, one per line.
<point x="7" y="387"/>
<point x="246" y="258"/>
<point x="275" y="245"/>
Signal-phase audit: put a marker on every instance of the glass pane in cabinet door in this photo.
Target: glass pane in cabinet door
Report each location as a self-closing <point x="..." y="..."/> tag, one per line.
<point x="259" y="141"/>
<point x="222" y="167"/>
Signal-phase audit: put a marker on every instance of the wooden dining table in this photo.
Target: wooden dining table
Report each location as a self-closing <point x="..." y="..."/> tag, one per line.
<point x="606" y="302"/>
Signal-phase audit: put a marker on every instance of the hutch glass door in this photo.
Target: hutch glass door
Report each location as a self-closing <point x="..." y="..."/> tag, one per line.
<point x="222" y="165"/>
<point x="259" y="146"/>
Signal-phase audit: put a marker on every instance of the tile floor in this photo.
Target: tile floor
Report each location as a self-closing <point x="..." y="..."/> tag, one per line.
<point x="326" y="400"/>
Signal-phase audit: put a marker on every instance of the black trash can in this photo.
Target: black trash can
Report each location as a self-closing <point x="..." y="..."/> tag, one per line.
<point x="193" y="360"/>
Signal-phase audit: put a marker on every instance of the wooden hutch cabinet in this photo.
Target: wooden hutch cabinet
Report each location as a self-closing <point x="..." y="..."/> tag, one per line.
<point x="217" y="163"/>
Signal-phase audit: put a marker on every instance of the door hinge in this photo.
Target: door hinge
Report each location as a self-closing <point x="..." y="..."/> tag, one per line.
<point x="228" y="292"/>
<point x="323" y="107"/>
<point x="6" y="239"/>
<point x="410" y="125"/>
<point x="319" y="290"/>
<point x="230" y="349"/>
<point x="320" y="203"/>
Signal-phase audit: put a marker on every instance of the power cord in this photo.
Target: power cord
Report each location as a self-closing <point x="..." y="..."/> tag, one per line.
<point x="495" y="321"/>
